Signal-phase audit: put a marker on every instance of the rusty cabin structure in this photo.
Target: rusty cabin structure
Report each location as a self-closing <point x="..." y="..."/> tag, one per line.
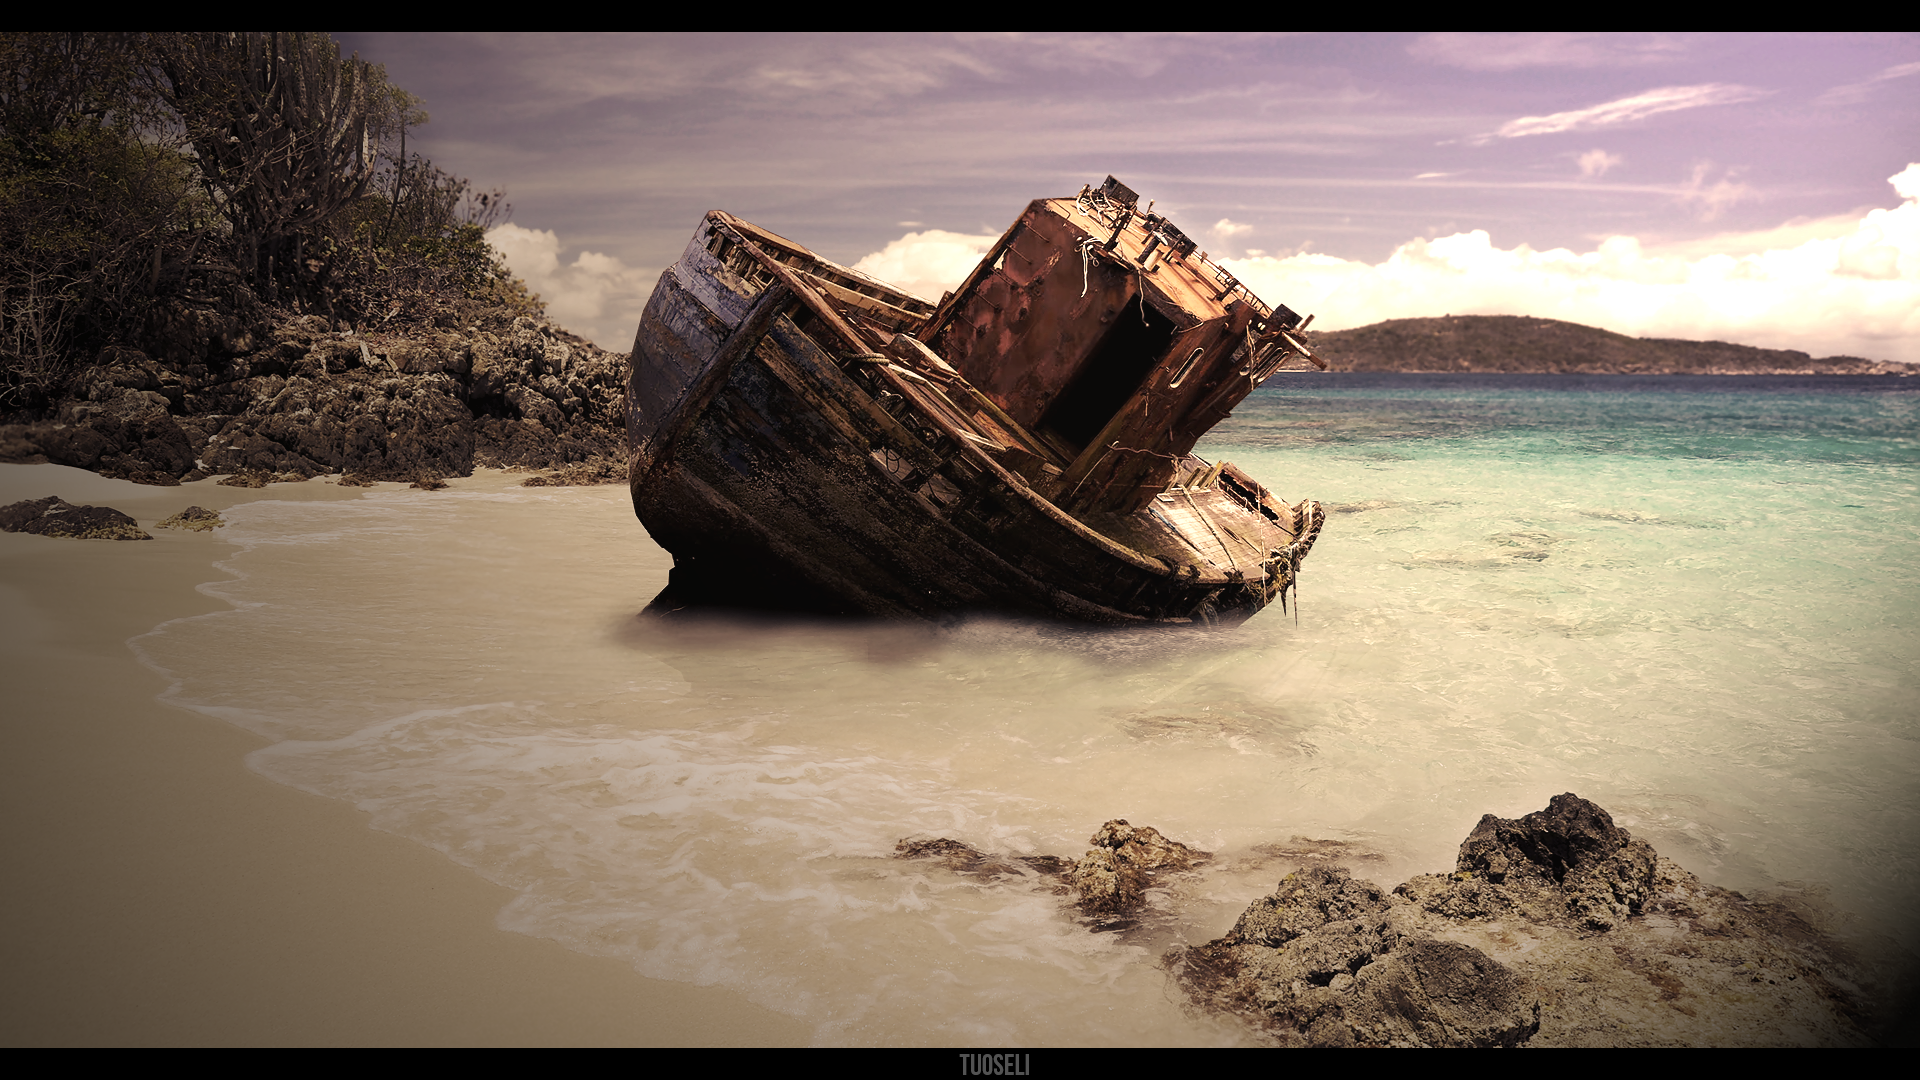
<point x="805" y="437"/>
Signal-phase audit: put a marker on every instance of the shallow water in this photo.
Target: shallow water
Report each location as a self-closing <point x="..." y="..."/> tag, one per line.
<point x="1692" y="601"/>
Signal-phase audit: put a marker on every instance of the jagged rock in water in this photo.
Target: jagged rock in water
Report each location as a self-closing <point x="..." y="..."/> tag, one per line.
<point x="1569" y="858"/>
<point x="1557" y="929"/>
<point x="1324" y="962"/>
<point x="55" y="516"/>
<point x="195" y="519"/>
<point x="1112" y="879"/>
<point x="962" y="858"/>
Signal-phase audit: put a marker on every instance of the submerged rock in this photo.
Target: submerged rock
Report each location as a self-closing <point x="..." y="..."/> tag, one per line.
<point x="963" y="858"/>
<point x="1110" y="882"/>
<point x="55" y="516"/>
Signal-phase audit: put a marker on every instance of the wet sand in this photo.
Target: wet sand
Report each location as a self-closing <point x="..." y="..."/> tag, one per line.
<point x="159" y="893"/>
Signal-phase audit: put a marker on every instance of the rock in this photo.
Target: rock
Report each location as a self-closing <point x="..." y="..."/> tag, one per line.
<point x="1568" y="859"/>
<point x="259" y="478"/>
<point x="1112" y="879"/>
<point x="1306" y="901"/>
<point x="1323" y="961"/>
<point x="219" y="394"/>
<point x="604" y="469"/>
<point x="54" y="516"/>
<point x="530" y="404"/>
<point x="963" y="858"/>
<point x="194" y="518"/>
<point x="1558" y="928"/>
<point x="1431" y="992"/>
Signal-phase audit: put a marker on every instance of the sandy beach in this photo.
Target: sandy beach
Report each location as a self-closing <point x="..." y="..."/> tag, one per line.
<point x="162" y="894"/>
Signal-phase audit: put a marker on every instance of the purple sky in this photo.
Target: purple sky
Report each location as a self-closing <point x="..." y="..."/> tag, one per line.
<point x="1344" y="146"/>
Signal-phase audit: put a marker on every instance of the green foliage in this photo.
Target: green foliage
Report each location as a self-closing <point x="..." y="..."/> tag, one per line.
<point x="94" y="198"/>
<point x="140" y="171"/>
<point x="416" y="244"/>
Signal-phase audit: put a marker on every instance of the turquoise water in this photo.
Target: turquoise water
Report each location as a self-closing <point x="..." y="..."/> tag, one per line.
<point x="1692" y="601"/>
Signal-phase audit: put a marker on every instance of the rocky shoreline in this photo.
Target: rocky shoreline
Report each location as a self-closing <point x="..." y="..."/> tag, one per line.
<point x="290" y="399"/>
<point x="1558" y="928"/>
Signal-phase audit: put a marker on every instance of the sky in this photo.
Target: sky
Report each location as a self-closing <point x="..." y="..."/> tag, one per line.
<point x="1758" y="188"/>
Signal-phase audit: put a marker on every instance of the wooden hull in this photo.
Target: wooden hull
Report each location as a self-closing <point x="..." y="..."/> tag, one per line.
<point x="787" y="464"/>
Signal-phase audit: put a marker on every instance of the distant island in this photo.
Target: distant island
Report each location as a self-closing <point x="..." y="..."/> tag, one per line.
<point x="1521" y="343"/>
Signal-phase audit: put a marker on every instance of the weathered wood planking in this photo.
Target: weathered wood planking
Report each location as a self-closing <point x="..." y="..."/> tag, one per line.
<point x="797" y="445"/>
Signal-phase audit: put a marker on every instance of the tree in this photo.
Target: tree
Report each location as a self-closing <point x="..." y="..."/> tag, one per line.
<point x="287" y="134"/>
<point x="92" y="193"/>
<point x="145" y="178"/>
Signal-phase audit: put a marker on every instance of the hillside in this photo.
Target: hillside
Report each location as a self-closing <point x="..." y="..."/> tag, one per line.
<point x="1521" y="343"/>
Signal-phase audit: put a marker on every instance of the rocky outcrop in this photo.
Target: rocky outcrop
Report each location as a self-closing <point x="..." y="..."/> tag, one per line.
<point x="1558" y="928"/>
<point x="1567" y="862"/>
<point x="54" y="516"/>
<point x="295" y="400"/>
<point x="1112" y="879"/>
<point x="1327" y="961"/>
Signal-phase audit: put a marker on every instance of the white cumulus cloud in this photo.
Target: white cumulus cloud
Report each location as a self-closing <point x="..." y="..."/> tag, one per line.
<point x="1855" y="292"/>
<point x="596" y="296"/>
<point x="928" y="263"/>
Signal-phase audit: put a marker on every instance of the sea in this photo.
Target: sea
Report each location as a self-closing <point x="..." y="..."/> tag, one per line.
<point x="1693" y="600"/>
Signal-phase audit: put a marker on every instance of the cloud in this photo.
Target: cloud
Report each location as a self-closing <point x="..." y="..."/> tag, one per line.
<point x="1227" y="229"/>
<point x="929" y="263"/>
<point x="1854" y="93"/>
<point x="1627" y="109"/>
<point x="1717" y="196"/>
<point x="1507" y="52"/>
<point x="596" y="296"/>
<point x="1854" y="292"/>
<point x="884" y="69"/>
<point x="1595" y="163"/>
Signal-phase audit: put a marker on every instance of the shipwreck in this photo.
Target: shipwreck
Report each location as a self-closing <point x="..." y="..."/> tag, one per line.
<point x="805" y="437"/>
